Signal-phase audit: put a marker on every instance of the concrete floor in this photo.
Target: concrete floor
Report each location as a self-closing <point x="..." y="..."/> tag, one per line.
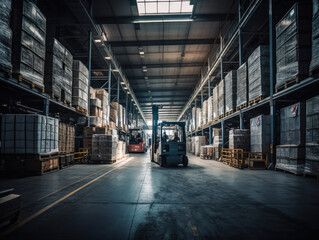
<point x="136" y="199"/>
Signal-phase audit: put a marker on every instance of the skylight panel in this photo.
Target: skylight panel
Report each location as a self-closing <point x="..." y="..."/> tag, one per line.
<point x="162" y="7"/>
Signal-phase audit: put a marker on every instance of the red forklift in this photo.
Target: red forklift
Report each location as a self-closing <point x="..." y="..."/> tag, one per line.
<point x="137" y="142"/>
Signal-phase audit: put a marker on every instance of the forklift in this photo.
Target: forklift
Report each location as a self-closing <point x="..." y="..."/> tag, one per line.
<point x="168" y="141"/>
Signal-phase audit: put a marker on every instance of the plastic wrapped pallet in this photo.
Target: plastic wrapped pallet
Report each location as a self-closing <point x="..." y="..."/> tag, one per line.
<point x="104" y="98"/>
<point x="221" y="98"/>
<point x="217" y="143"/>
<point x="239" y="139"/>
<point x="29" y="134"/>
<point x="103" y="148"/>
<point x="199" y="141"/>
<point x="95" y="121"/>
<point x="203" y="150"/>
<point x="204" y="113"/>
<point x="120" y="117"/>
<point x="58" y="70"/>
<point x="88" y="133"/>
<point x="314" y="64"/>
<point x="28" y="42"/>
<point x="242" y="85"/>
<point x="80" y="85"/>
<point x="258" y="73"/>
<point x="210" y="110"/>
<point x="5" y="36"/>
<point x="210" y="151"/>
<point x="198" y="118"/>
<point x="230" y="91"/>
<point x="114" y="113"/>
<point x="293" y="44"/>
<point x="95" y="102"/>
<point x="312" y="136"/>
<point x="290" y="158"/>
<point x="194" y="118"/>
<point x="215" y="102"/>
<point x="260" y="134"/>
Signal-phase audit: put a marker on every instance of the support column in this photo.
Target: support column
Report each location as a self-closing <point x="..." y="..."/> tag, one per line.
<point x="223" y="132"/>
<point x="118" y="100"/>
<point x="202" y="103"/>
<point x="209" y="127"/>
<point x="271" y="84"/>
<point x="126" y="109"/>
<point x="46" y="105"/>
<point x="110" y="82"/>
<point x="241" y="120"/>
<point x="90" y="69"/>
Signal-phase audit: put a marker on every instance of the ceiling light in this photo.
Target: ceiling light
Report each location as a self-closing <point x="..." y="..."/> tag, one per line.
<point x="125" y="88"/>
<point x="97" y="40"/>
<point x="108" y="58"/>
<point x="115" y="70"/>
<point x="104" y="37"/>
<point x="144" y="70"/>
<point x="128" y="92"/>
<point x="164" y="20"/>
<point x="122" y="83"/>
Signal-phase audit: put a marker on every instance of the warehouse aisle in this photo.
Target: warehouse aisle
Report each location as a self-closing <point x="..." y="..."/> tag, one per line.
<point x="136" y="199"/>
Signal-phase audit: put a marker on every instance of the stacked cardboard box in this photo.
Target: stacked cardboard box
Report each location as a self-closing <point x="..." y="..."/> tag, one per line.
<point x="80" y="85"/>
<point x="260" y="134"/>
<point x="193" y="145"/>
<point x="114" y="113"/>
<point x="199" y="141"/>
<point x="58" y="70"/>
<point x="258" y="73"/>
<point x="5" y="36"/>
<point x="215" y="102"/>
<point x="29" y="134"/>
<point x="205" y="112"/>
<point x="198" y="118"/>
<point x="221" y="98"/>
<point x="314" y="65"/>
<point x="95" y="107"/>
<point x="242" y="85"/>
<point x="210" y="110"/>
<point x="290" y="154"/>
<point x="104" y="148"/>
<point x="28" y="48"/>
<point x="312" y="137"/>
<point x="88" y="133"/>
<point x="239" y="139"/>
<point x="230" y="91"/>
<point x="293" y="44"/>
<point x="105" y="106"/>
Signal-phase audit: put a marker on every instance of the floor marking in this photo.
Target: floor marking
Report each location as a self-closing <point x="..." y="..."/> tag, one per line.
<point x="20" y="224"/>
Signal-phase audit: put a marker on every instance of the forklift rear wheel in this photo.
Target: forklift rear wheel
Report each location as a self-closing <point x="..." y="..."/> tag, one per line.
<point x="185" y="161"/>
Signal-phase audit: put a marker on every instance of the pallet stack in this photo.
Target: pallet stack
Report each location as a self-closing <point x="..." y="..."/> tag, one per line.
<point x="114" y="114"/>
<point x="293" y="45"/>
<point x="314" y="65"/>
<point x="105" y="106"/>
<point x="312" y="137"/>
<point x="242" y="85"/>
<point x="5" y="36"/>
<point x="230" y="92"/>
<point x="80" y="86"/>
<point x="199" y="141"/>
<point x="66" y="144"/>
<point x="205" y="112"/>
<point x="88" y="133"/>
<point x="260" y="134"/>
<point x="290" y="154"/>
<point x="239" y="139"/>
<point x="58" y="71"/>
<point x="215" y="103"/>
<point x="198" y="118"/>
<point x="210" y="110"/>
<point x="30" y="143"/>
<point x="217" y="143"/>
<point x="258" y="74"/>
<point x="28" y="48"/>
<point x="104" y="148"/>
<point x="221" y="99"/>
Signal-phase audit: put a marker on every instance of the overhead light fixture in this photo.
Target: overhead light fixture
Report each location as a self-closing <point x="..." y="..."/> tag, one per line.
<point x="122" y="83"/>
<point x="125" y="88"/>
<point x="164" y="20"/>
<point x="97" y="40"/>
<point x="108" y="58"/>
<point x="128" y="92"/>
<point x="144" y="69"/>
<point x="104" y="37"/>
<point x="115" y="70"/>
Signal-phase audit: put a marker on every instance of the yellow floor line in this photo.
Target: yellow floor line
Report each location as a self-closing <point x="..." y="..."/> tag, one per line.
<point x="20" y="224"/>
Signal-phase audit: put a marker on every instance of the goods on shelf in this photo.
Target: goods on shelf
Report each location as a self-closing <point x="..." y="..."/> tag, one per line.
<point x="95" y="121"/>
<point x="314" y="64"/>
<point x="114" y="112"/>
<point x="198" y="118"/>
<point x="207" y="152"/>
<point x="194" y="118"/>
<point x="215" y="102"/>
<point x="88" y="133"/>
<point x="5" y="36"/>
<point x="242" y="85"/>
<point x="258" y="73"/>
<point x="120" y="117"/>
<point x="95" y="107"/>
<point x="293" y="44"/>
<point x="29" y="134"/>
<point x="104" y="98"/>
<point x="217" y="142"/>
<point x="312" y="136"/>
<point x="230" y="91"/>
<point x="199" y="141"/>
<point x="66" y="138"/>
<point x="58" y="70"/>
<point x="204" y="112"/>
<point x="80" y="85"/>
<point x="221" y="98"/>
<point x="290" y="154"/>
<point x="28" y="42"/>
<point x="260" y="134"/>
<point x="210" y="109"/>
<point x="239" y="139"/>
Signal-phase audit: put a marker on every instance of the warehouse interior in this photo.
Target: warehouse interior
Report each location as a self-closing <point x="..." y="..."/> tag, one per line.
<point x="159" y="119"/>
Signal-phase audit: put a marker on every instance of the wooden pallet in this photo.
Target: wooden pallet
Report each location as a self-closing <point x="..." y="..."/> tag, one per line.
<point x="52" y="95"/>
<point x="80" y="109"/>
<point x="20" y="78"/>
<point x="289" y="83"/>
<point x="67" y="103"/>
<point x="40" y="156"/>
<point x="206" y="157"/>
<point x="66" y="160"/>
<point x="257" y="160"/>
<point x="256" y="100"/>
<point x="230" y="112"/>
<point x="241" y="106"/>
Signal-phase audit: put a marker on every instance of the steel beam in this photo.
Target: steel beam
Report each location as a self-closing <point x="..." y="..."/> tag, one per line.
<point x="90" y="73"/>
<point x="162" y="42"/>
<point x="166" y="65"/>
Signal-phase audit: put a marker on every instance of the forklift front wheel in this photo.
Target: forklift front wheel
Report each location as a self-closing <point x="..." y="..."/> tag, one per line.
<point x="185" y="161"/>
<point x="162" y="161"/>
